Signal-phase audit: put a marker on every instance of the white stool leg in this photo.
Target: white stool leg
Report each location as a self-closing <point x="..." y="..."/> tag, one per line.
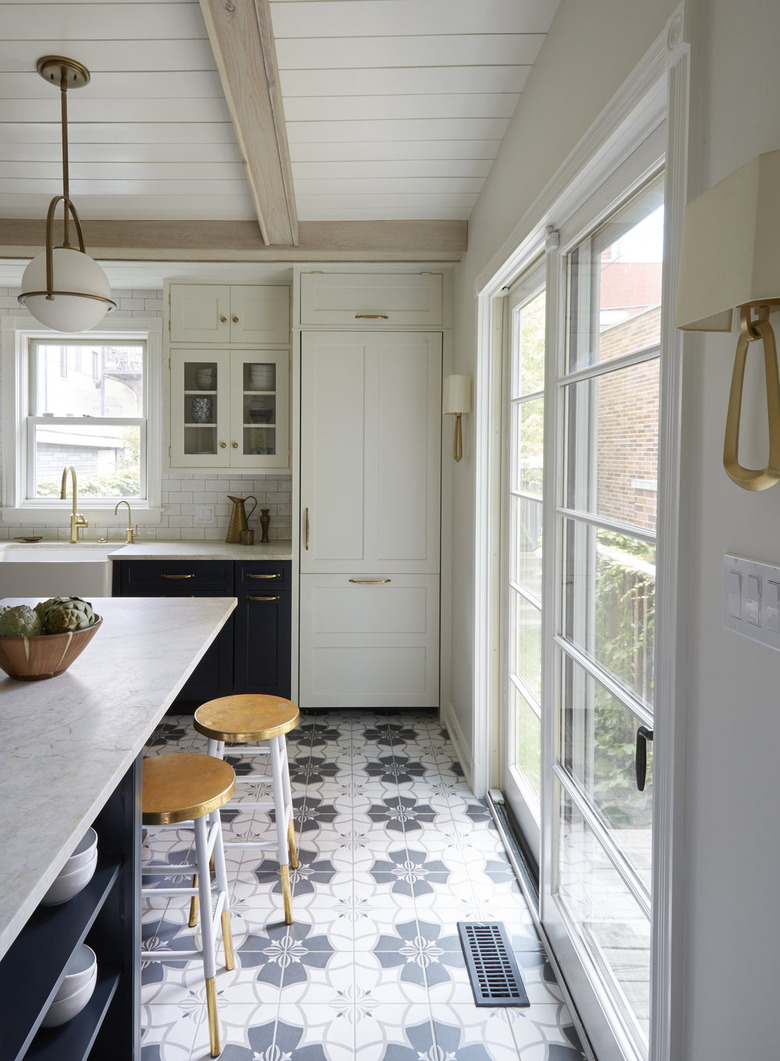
<point x="207" y="931"/>
<point x="288" y="804"/>
<point x="216" y="748"/>
<point x="220" y="872"/>
<point x="278" y="775"/>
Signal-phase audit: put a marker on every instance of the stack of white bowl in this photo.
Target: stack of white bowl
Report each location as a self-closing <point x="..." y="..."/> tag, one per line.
<point x="262" y="377"/>
<point x="204" y="377"/>
<point x="76" y="873"/>
<point x="76" y="988"/>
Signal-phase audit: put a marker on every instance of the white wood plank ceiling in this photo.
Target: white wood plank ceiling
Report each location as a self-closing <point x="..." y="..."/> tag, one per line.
<point x="394" y="109"/>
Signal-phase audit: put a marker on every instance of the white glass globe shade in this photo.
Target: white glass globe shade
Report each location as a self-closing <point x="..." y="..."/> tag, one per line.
<point x="74" y="275"/>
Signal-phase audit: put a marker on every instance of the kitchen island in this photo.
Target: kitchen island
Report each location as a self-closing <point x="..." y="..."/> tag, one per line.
<point x="69" y="742"/>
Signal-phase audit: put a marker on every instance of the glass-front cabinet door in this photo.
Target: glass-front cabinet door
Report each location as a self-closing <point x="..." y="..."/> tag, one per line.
<point x="199" y="408"/>
<point x="258" y="405"/>
<point x="229" y="409"/>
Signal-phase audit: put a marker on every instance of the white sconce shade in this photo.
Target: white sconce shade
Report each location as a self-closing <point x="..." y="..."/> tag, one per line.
<point x="457" y="400"/>
<point x="731" y="259"/>
<point x="730" y="248"/>
<point x="81" y="294"/>
<point x="457" y="394"/>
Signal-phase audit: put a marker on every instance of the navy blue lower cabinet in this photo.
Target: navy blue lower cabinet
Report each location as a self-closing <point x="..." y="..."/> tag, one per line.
<point x="213" y="676"/>
<point x="252" y="652"/>
<point x="262" y="628"/>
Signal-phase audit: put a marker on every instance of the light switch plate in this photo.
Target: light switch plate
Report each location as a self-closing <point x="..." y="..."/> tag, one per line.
<point x="751" y="599"/>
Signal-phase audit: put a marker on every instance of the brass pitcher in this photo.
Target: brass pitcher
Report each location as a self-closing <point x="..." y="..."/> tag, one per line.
<point x="238" y="517"/>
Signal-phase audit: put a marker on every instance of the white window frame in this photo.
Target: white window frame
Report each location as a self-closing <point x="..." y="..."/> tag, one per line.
<point x="17" y="509"/>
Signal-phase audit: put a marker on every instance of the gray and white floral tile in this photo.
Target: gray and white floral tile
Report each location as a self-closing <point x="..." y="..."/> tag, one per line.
<point x="394" y="850"/>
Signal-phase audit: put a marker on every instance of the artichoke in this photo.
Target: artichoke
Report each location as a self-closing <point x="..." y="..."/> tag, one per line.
<point x="64" y="614"/>
<point x="20" y="621"/>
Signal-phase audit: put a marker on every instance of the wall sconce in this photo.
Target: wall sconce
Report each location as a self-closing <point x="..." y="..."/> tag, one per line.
<point x="63" y="287"/>
<point x="730" y="259"/>
<point x="456" y="401"/>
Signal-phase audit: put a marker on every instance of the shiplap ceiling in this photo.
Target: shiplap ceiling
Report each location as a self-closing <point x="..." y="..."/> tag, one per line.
<point x="393" y="109"/>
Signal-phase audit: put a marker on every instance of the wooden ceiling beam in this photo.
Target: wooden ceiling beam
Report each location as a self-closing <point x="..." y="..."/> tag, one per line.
<point x="240" y="241"/>
<point x="242" y="41"/>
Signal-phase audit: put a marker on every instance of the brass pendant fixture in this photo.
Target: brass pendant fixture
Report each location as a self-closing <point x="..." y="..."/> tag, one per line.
<point x="63" y="287"/>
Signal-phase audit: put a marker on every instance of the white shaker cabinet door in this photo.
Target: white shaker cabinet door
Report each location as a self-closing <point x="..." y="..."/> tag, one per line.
<point x="370" y="452"/>
<point x="369" y="641"/>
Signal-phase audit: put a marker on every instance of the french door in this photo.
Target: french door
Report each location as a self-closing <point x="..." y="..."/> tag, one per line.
<point x="522" y="584"/>
<point x="596" y="897"/>
<point x="583" y="344"/>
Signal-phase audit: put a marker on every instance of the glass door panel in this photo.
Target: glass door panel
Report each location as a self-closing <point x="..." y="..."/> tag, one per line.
<point x="523" y="485"/>
<point x="260" y="408"/>
<point x="199" y="398"/>
<point x="597" y="894"/>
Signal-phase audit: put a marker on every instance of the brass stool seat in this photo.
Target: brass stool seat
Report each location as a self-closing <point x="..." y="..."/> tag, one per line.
<point x="184" y="787"/>
<point x="263" y="720"/>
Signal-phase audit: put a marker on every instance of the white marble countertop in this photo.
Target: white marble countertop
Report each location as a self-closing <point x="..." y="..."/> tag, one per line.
<point x="66" y="742"/>
<point x="201" y="550"/>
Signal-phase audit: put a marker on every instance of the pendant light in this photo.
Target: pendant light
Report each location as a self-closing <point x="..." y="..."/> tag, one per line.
<point x="63" y="287"/>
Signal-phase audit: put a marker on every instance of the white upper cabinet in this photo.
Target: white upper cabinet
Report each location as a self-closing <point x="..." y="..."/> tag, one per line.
<point x="370" y="451"/>
<point x="391" y="300"/>
<point x="244" y="314"/>
<point x="229" y="409"/>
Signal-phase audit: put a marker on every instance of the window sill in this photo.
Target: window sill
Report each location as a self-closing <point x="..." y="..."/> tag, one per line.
<point x="100" y="514"/>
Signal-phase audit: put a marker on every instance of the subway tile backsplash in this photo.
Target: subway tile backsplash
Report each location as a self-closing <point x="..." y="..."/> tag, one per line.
<point x="182" y="494"/>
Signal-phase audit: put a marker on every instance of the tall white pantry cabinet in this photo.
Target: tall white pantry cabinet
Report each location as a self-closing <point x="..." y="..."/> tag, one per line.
<point x="370" y="464"/>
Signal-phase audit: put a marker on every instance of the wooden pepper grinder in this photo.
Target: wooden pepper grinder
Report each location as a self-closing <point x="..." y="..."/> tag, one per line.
<point x="265" y="520"/>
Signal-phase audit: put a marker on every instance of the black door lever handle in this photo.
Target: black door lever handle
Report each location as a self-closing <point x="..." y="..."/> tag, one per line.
<point x="643" y="735"/>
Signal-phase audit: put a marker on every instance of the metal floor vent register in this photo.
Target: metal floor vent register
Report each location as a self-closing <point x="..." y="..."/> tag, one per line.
<point x="495" y="978"/>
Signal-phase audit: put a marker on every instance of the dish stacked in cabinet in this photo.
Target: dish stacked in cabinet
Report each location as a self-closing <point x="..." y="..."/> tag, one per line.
<point x="51" y="956"/>
<point x="371" y="362"/>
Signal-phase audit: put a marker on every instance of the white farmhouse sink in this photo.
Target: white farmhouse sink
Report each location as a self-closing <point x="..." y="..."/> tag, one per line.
<point x="55" y="569"/>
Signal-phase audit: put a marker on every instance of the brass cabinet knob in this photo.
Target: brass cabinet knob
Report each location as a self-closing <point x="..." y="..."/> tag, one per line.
<point x="223" y="319"/>
<point x="235" y="320"/>
<point x="222" y="445"/>
<point x="234" y="445"/>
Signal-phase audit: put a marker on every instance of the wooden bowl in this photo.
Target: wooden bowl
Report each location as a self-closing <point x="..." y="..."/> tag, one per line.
<point x="31" y="659"/>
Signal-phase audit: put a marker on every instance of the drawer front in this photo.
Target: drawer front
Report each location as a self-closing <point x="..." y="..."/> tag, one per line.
<point x="392" y="300"/>
<point x="263" y="576"/>
<point x="176" y="578"/>
<point x="369" y="641"/>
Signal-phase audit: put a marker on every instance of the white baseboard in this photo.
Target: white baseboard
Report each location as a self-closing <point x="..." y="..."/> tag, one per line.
<point x="462" y="749"/>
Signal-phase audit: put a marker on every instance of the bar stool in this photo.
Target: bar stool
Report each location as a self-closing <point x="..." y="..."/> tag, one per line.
<point x="246" y="719"/>
<point x="185" y="787"/>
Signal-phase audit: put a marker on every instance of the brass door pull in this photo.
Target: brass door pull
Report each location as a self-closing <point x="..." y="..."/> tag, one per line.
<point x="250" y="597"/>
<point x="275" y="575"/>
<point x="370" y="581"/>
<point x="371" y="317"/>
<point x="177" y="576"/>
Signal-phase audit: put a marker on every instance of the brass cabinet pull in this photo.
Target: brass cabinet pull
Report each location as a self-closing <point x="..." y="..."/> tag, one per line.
<point x="371" y="317"/>
<point x="276" y="574"/>
<point x="250" y="597"/>
<point x="306" y="520"/>
<point x="177" y="576"/>
<point x="222" y="445"/>
<point x="234" y="445"/>
<point x="223" y="319"/>
<point x="370" y="581"/>
<point x="235" y="320"/>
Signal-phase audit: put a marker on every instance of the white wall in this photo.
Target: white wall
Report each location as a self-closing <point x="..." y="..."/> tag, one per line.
<point x="733" y="705"/>
<point x="730" y="687"/>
